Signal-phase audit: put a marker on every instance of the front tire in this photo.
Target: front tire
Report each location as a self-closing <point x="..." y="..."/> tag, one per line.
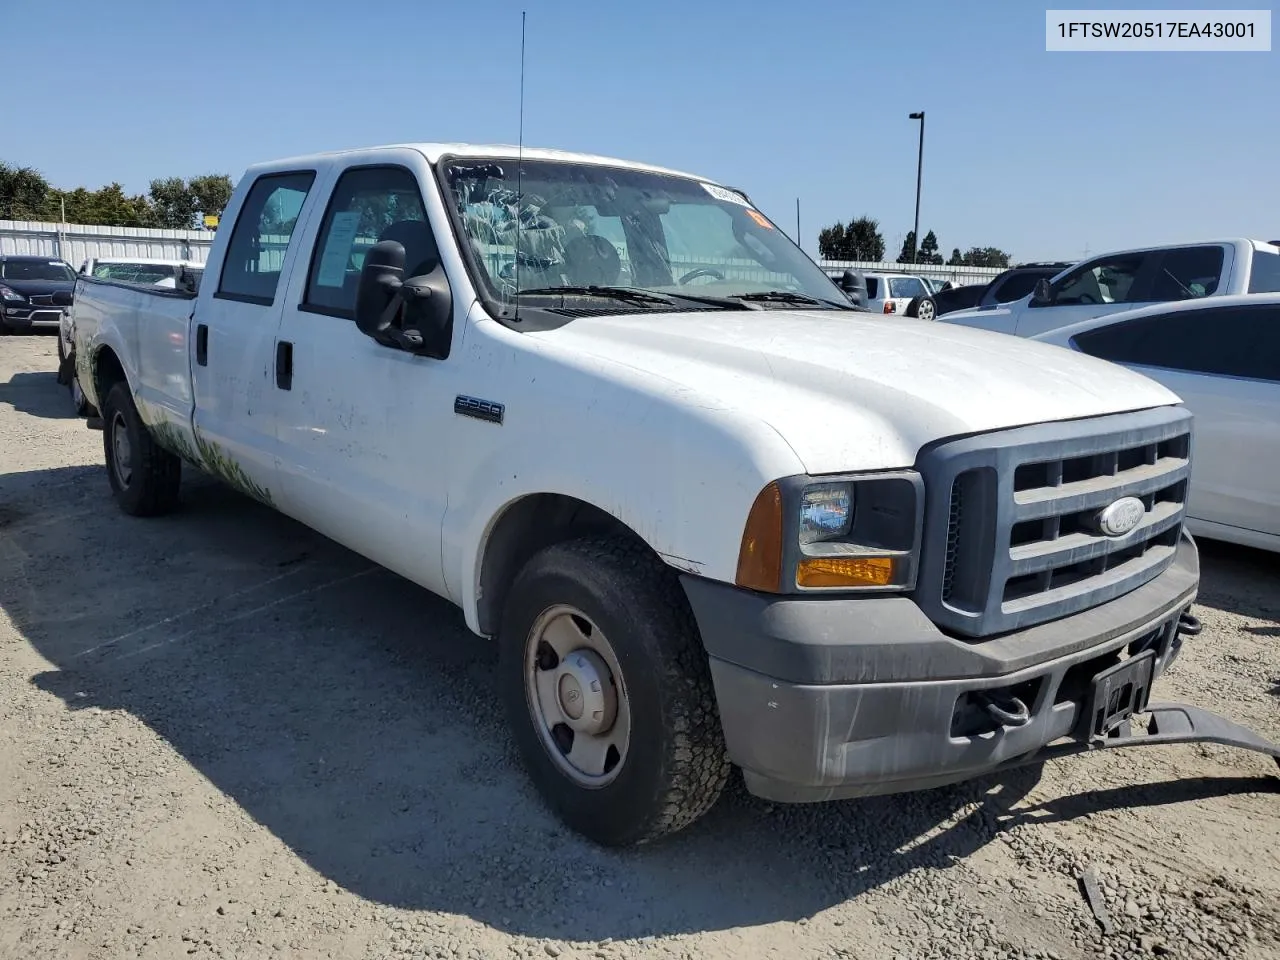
<point x="144" y="476"/>
<point x="608" y="692"/>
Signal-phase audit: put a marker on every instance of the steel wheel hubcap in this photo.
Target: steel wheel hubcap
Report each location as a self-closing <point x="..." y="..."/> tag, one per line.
<point x="122" y="450"/>
<point x="926" y="311"/>
<point x="575" y="695"/>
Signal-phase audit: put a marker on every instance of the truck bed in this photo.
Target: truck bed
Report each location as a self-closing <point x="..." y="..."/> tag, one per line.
<point x="153" y="323"/>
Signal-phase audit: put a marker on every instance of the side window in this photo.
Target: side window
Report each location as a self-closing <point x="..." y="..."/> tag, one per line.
<point x="1188" y="273"/>
<point x="1108" y="280"/>
<point x="1015" y="287"/>
<point x="1226" y="341"/>
<point x="873" y="288"/>
<point x="260" y="237"/>
<point x="369" y="204"/>
<point x="1264" y="277"/>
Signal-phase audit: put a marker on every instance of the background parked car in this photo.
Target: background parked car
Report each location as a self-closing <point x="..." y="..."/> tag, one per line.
<point x="1014" y="284"/>
<point x="1131" y="278"/>
<point x="1221" y="355"/>
<point x="34" y="292"/>
<point x="891" y="292"/>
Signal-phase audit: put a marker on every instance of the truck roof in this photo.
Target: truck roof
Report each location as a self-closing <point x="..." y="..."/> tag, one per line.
<point x="502" y="151"/>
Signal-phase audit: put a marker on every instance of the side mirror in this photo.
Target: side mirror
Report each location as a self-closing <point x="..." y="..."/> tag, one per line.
<point x="415" y="315"/>
<point x="854" y="286"/>
<point x="1041" y="294"/>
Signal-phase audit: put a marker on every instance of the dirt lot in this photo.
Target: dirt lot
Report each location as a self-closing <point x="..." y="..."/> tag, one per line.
<point x="221" y="734"/>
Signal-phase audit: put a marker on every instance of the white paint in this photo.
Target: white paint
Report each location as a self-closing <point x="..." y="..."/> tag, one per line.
<point x="673" y="423"/>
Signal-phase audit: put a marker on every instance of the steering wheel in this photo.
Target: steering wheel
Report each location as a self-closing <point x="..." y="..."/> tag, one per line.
<point x="700" y="272"/>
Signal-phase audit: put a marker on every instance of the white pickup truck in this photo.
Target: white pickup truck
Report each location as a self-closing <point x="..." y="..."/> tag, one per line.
<point x="1128" y="279"/>
<point x="712" y="515"/>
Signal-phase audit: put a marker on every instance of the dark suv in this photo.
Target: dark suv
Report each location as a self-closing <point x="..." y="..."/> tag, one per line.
<point x="1014" y="284"/>
<point x="34" y="292"/>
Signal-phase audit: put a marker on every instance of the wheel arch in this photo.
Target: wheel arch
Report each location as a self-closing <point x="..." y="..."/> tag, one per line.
<point x="526" y="525"/>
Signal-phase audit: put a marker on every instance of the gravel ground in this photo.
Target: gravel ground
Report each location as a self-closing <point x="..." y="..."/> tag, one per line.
<point x="223" y="735"/>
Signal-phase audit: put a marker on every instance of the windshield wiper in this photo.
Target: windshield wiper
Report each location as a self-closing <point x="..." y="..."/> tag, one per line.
<point x="626" y="294"/>
<point x="788" y="296"/>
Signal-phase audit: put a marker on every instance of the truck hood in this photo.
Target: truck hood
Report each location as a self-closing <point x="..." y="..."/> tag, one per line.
<point x="852" y="392"/>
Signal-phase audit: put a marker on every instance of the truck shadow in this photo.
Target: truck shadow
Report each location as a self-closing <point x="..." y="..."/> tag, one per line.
<point x="352" y="714"/>
<point x="37" y="395"/>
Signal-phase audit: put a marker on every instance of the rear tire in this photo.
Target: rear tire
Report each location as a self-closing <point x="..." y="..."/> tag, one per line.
<point x="927" y="309"/>
<point x="144" y="476"/>
<point x="625" y="618"/>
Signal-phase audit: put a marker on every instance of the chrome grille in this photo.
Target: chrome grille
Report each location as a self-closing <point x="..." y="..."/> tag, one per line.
<point x="1015" y="514"/>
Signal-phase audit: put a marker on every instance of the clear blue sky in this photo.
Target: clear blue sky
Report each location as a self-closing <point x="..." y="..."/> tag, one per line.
<point x="1041" y="154"/>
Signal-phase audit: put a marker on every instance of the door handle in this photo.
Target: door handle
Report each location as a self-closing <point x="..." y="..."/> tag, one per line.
<point x="202" y="344"/>
<point x="284" y="364"/>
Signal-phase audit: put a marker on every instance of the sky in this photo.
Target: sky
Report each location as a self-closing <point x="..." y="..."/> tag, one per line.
<point x="1044" y="155"/>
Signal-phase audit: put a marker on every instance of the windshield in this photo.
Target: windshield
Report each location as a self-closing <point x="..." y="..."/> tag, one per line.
<point x="586" y="225"/>
<point x="35" y="270"/>
<point x="135" y="272"/>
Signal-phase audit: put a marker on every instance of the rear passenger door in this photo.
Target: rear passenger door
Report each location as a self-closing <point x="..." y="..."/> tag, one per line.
<point x="1225" y="364"/>
<point x="233" y="335"/>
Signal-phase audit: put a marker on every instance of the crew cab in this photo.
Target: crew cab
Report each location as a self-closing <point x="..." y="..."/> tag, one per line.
<point x="1130" y="279"/>
<point x="711" y="514"/>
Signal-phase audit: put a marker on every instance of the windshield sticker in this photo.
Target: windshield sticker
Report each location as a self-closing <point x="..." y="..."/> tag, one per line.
<point x="728" y="196"/>
<point x="337" y="249"/>
<point x="759" y="218"/>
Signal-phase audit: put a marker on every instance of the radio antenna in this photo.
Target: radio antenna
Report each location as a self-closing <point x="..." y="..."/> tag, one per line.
<point x="520" y="166"/>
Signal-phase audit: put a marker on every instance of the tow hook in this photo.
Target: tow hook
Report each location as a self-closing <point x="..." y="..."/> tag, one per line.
<point x="1009" y="711"/>
<point x="1189" y="625"/>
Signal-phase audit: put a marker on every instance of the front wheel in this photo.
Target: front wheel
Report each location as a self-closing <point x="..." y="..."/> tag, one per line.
<point x="144" y="476"/>
<point x="608" y="692"/>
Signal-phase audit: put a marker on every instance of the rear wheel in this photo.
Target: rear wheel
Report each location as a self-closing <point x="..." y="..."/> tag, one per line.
<point x="608" y="692"/>
<point x="927" y="309"/>
<point x="144" y="476"/>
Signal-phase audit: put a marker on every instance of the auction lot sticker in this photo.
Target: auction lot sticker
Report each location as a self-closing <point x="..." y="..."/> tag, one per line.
<point x="1136" y="31"/>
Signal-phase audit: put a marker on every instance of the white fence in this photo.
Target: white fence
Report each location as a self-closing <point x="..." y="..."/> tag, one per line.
<point x="959" y="275"/>
<point x="74" y="242"/>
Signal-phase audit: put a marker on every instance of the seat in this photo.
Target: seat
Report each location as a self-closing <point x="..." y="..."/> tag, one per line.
<point x="421" y="255"/>
<point x="592" y="260"/>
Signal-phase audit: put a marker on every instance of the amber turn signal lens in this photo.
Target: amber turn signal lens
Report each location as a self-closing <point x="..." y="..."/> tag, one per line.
<point x="760" y="555"/>
<point x="846" y="572"/>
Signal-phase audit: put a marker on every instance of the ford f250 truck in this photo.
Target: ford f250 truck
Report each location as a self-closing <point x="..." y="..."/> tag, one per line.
<point x="712" y="515"/>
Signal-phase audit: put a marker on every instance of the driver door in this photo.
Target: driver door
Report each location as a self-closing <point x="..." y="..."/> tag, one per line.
<point x="1106" y="285"/>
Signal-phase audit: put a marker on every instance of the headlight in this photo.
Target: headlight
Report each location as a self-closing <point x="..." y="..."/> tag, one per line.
<point x="852" y="533"/>
<point x="10" y="294"/>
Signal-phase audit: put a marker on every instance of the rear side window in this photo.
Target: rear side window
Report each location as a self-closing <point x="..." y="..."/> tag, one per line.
<point x="906" y="287"/>
<point x="873" y="287"/>
<point x="260" y="238"/>
<point x="1265" y="274"/>
<point x="369" y="204"/>
<point x="1226" y="341"/>
<point x="1109" y="280"/>
<point x="1188" y="273"/>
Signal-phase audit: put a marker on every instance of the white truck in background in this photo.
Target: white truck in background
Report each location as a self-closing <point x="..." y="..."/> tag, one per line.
<point x="712" y="515"/>
<point x="1129" y="279"/>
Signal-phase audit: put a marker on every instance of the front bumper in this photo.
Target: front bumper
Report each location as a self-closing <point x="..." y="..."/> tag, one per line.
<point x="28" y="317"/>
<point x="827" y="698"/>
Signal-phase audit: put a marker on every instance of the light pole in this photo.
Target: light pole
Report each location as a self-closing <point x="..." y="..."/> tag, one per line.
<point x="919" y="170"/>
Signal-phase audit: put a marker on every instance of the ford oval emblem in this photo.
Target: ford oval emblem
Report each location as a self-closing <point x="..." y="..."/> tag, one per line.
<point x="1121" y="517"/>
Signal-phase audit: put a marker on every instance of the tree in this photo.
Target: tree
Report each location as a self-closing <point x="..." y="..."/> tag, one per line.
<point x="957" y="258"/>
<point x="173" y="204"/>
<point x="24" y="193"/>
<point x="929" y="249"/>
<point x="211" y="193"/>
<point x="859" y="239"/>
<point x="985" y="257"/>
<point x="908" y="252"/>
